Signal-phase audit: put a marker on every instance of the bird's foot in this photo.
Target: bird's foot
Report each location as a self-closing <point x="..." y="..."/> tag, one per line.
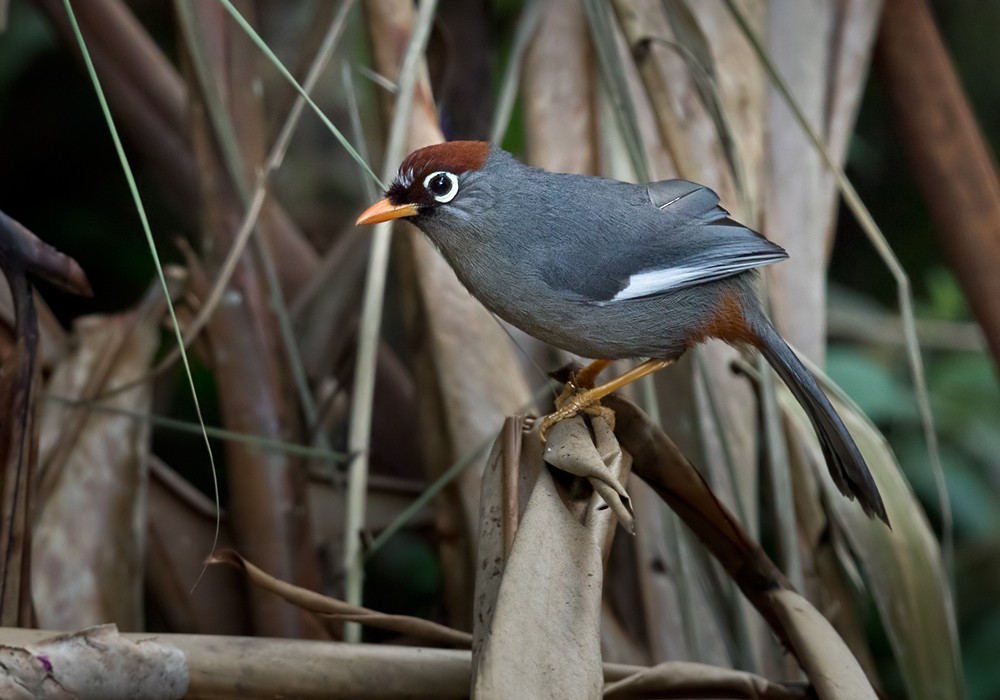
<point x="578" y="396"/>
<point x="573" y="401"/>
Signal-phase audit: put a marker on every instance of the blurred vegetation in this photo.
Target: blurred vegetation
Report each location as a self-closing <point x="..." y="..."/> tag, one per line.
<point x="964" y="387"/>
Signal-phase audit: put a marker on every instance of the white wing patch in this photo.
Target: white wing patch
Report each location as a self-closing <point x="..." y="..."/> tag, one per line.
<point x="651" y="282"/>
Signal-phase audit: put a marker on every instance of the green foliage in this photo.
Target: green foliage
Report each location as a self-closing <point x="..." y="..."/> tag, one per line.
<point x="409" y="558"/>
<point x="966" y="399"/>
<point x="19" y="49"/>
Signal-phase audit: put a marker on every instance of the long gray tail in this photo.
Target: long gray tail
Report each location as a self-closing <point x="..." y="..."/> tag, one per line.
<point x="843" y="459"/>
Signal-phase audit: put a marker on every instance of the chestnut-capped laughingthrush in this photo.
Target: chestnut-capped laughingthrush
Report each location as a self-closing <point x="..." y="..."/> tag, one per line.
<point x="608" y="269"/>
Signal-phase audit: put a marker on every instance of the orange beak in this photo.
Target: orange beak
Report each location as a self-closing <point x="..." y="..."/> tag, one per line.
<point x="385" y="210"/>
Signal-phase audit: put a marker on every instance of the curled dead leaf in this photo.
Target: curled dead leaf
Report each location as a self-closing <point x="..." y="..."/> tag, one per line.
<point x="571" y="448"/>
<point x="829" y="664"/>
<point x="94" y="478"/>
<point x="337" y="609"/>
<point x="545" y="596"/>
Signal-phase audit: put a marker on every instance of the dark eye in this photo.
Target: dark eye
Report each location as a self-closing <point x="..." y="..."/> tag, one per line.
<point x="442" y="185"/>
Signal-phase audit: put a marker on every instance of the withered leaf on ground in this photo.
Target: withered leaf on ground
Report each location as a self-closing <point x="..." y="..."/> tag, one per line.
<point x="22" y="253"/>
<point x="90" y="538"/>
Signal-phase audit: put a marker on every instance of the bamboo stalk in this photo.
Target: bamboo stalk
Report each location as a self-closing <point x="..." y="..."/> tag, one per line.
<point x="267" y="491"/>
<point x="249" y="667"/>
<point x="362" y="398"/>
<point x="951" y="161"/>
<point x="889" y="259"/>
<point x="149" y="98"/>
<point x="672" y="132"/>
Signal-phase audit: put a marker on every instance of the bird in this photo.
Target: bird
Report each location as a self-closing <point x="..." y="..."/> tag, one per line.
<point x="609" y="270"/>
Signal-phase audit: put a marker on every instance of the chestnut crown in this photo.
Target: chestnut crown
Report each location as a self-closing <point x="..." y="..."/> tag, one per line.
<point x="429" y="176"/>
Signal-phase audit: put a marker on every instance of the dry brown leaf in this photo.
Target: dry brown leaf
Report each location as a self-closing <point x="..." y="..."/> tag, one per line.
<point x="902" y="567"/>
<point x="334" y="608"/>
<point x="546" y="621"/>
<point x="499" y="512"/>
<point x="619" y="465"/>
<point x="684" y="679"/>
<point x="466" y="371"/>
<point x="22" y="253"/>
<point x="18" y="460"/>
<point x="829" y="664"/>
<point x="658" y="461"/>
<point x="540" y="636"/>
<point x="571" y="448"/>
<point x="90" y="538"/>
<point x="557" y="89"/>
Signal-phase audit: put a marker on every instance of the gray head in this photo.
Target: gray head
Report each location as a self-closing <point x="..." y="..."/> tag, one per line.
<point x="451" y="191"/>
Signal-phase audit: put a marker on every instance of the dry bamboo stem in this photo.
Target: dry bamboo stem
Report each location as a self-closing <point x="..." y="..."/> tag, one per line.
<point x="250" y="667"/>
<point x="952" y="163"/>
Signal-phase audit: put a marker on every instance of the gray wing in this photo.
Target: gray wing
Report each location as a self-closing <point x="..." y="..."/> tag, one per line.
<point x="723" y="247"/>
<point x="677" y="237"/>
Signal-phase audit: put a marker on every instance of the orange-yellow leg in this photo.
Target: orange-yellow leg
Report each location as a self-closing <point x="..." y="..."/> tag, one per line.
<point x="587" y="377"/>
<point x="573" y="401"/>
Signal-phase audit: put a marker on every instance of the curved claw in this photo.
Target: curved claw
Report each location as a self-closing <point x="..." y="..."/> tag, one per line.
<point x="570" y="403"/>
<point x="574" y="398"/>
<point x="546" y="425"/>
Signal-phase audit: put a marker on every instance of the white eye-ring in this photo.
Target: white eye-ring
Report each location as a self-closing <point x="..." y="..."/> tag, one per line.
<point x="442" y="185"/>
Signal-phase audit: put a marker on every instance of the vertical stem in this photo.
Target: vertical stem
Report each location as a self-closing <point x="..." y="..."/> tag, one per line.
<point x="952" y="163"/>
<point x="362" y="397"/>
<point x="889" y="259"/>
